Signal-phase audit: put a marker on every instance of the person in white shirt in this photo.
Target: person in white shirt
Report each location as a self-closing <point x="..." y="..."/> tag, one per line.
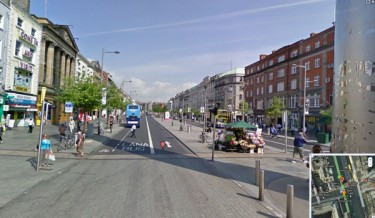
<point x="133" y="131"/>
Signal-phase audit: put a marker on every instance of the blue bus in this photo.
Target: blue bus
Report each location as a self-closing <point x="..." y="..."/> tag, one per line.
<point x="133" y="115"/>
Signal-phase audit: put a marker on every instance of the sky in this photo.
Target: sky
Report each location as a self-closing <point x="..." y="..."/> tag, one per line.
<point x="168" y="46"/>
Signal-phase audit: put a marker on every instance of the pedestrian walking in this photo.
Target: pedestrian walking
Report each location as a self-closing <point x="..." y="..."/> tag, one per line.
<point x="133" y="131"/>
<point x="45" y="150"/>
<point x="110" y="124"/>
<point x="2" y="130"/>
<point x="79" y="125"/>
<point x="79" y="143"/>
<point x="72" y="125"/>
<point x="299" y="141"/>
<point x="31" y="125"/>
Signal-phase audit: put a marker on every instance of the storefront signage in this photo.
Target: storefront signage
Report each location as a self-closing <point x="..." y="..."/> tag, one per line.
<point x="19" y="99"/>
<point x="29" y="39"/>
<point x="26" y="66"/>
<point x="28" y="54"/>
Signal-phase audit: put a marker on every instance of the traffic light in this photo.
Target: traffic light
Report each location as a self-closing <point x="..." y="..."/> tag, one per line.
<point x="214" y="109"/>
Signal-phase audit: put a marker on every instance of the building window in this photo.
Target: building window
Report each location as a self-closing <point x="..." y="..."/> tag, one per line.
<point x="281" y="58"/>
<point x="280" y="73"/>
<point x="18" y="48"/>
<point x="314" y="101"/>
<point x="293" y="101"/>
<point x="33" y="31"/>
<point x="1" y="21"/>
<point x="251" y="81"/>
<point x="270" y="89"/>
<point x="258" y="91"/>
<point x="280" y="86"/>
<point x="251" y="93"/>
<point x="307" y="65"/>
<point x="262" y="79"/>
<point x="293" y="54"/>
<point x="258" y="80"/>
<point x="293" y="69"/>
<point x="251" y="70"/>
<point x="293" y="84"/>
<point x="316" y="80"/>
<point x="307" y="82"/>
<point x="270" y="76"/>
<point x="258" y="68"/>
<point x="307" y="48"/>
<point x="317" y="44"/>
<point x="270" y="63"/>
<point x="19" y="22"/>
<point x="317" y="62"/>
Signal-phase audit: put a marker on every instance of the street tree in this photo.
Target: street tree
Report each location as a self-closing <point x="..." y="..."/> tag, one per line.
<point x="276" y="109"/>
<point x="114" y="99"/>
<point x="85" y="93"/>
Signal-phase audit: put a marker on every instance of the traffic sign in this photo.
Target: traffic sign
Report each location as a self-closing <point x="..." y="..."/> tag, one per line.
<point x="68" y="107"/>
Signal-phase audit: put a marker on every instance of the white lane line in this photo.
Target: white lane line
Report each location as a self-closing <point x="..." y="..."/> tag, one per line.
<point x="150" y="138"/>
<point x="121" y="141"/>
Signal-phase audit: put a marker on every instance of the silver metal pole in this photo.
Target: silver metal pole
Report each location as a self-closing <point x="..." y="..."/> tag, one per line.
<point x="290" y="203"/>
<point x="40" y="137"/>
<point x="213" y="138"/>
<point x="261" y="185"/>
<point x="304" y="103"/>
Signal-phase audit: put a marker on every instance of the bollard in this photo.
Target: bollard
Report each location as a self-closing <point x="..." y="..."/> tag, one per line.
<point x="261" y="185"/>
<point x="289" y="201"/>
<point x="188" y="128"/>
<point x="257" y="169"/>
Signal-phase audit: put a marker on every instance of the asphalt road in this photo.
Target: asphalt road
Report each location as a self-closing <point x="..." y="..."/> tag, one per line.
<point x="143" y="180"/>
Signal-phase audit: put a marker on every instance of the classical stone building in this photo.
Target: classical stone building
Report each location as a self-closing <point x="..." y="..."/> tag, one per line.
<point x="57" y="64"/>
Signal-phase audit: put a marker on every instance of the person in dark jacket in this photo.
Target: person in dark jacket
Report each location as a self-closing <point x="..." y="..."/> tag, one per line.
<point x="299" y="141"/>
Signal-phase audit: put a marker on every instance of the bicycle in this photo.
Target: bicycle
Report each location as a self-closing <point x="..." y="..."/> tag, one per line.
<point x="66" y="142"/>
<point x="203" y="137"/>
<point x="181" y="127"/>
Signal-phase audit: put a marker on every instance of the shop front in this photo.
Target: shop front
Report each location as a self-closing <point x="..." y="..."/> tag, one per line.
<point x="20" y="108"/>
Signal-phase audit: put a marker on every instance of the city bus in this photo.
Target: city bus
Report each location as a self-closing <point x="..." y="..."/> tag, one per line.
<point x="222" y="118"/>
<point x="133" y="115"/>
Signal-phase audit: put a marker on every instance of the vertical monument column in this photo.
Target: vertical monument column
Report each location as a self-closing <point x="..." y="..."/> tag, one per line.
<point x="56" y="76"/>
<point x="353" y="125"/>
<point x="67" y="70"/>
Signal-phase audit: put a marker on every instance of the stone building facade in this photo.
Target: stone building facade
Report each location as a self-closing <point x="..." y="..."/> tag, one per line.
<point x="57" y="65"/>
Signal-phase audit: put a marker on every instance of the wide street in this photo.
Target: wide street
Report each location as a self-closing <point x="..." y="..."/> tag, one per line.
<point x="134" y="177"/>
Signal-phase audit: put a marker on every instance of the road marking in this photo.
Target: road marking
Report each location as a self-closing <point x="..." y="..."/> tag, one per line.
<point x="150" y="138"/>
<point x="168" y="144"/>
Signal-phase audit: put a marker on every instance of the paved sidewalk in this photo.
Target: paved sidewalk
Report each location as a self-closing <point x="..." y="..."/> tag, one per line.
<point x="240" y="168"/>
<point x="18" y="149"/>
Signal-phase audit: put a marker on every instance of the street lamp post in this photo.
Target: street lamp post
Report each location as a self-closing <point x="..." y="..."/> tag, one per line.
<point x="171" y="111"/>
<point x="304" y="99"/>
<point x="101" y="83"/>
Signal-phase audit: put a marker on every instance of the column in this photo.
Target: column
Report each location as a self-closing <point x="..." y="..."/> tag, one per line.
<point x="42" y="64"/>
<point x="62" y="68"/>
<point x="57" y="68"/>
<point x="67" y="70"/>
<point x="50" y="60"/>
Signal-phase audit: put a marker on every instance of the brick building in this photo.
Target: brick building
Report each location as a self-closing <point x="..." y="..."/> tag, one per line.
<point x="281" y="74"/>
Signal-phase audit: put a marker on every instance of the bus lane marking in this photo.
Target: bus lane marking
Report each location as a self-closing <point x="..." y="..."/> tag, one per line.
<point x="150" y="138"/>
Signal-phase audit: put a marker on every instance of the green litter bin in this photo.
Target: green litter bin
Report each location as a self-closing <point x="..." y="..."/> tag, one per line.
<point x="322" y="137"/>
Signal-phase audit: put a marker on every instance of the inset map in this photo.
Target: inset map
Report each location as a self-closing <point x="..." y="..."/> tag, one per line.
<point x="342" y="185"/>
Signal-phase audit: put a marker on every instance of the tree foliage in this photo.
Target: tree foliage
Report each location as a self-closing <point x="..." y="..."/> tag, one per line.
<point x="276" y="109"/>
<point x="85" y="93"/>
<point x="114" y="99"/>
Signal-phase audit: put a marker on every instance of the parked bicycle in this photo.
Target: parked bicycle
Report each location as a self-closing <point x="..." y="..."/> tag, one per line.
<point x="203" y="137"/>
<point x="66" y="142"/>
